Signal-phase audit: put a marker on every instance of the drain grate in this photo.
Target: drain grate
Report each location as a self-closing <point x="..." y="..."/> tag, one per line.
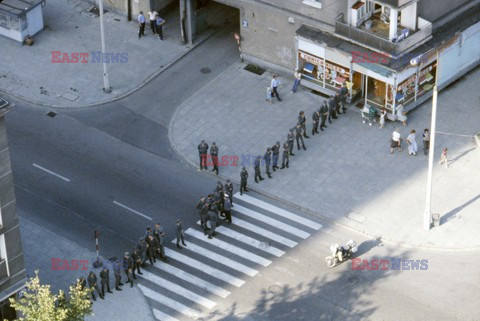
<point x="51" y="114"/>
<point x="275" y="289"/>
<point x="96" y="11"/>
<point x="255" y="69"/>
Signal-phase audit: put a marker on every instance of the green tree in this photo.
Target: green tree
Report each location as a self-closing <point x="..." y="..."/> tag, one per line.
<point x="38" y="303"/>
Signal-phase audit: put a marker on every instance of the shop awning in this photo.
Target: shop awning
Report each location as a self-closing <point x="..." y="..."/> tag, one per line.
<point x="308" y="68"/>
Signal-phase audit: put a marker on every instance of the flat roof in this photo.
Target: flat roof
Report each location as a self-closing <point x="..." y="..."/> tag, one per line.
<point x="18" y="7"/>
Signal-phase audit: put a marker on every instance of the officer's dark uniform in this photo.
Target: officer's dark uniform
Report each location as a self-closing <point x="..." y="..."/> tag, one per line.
<point x="323" y="114"/>
<point x="213" y="218"/>
<point x="243" y="181"/>
<point x="229" y="190"/>
<point x="291" y="140"/>
<point x="268" y="157"/>
<point x="142" y="250"/>
<point x="228" y="211"/>
<point x="331" y="110"/>
<point x="336" y="99"/>
<point x="343" y="97"/>
<point x="118" y="276"/>
<point x="136" y="263"/>
<point x="92" y="283"/>
<point x="105" y="280"/>
<point x="275" y="155"/>
<point x="285" y="154"/>
<point x="299" y="136"/>
<point x="315" y="118"/>
<point x="214" y="154"/>
<point x="180" y="234"/>
<point x="127" y="266"/>
<point x="256" y="165"/>
<point x="202" y="151"/>
<point x="202" y="211"/>
<point x="151" y="249"/>
<point x="303" y="123"/>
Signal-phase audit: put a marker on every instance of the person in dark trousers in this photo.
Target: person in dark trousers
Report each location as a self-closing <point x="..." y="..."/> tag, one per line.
<point x="336" y="100"/>
<point x="291" y="140"/>
<point x="426" y="141"/>
<point x="274" y="85"/>
<point x="117" y="273"/>
<point x="256" y="165"/>
<point x="202" y="152"/>
<point x="161" y="246"/>
<point x="202" y="212"/>
<point x="82" y="282"/>
<point x="105" y="280"/>
<point x="299" y="136"/>
<point x="343" y="96"/>
<point x="302" y="120"/>
<point x="243" y="180"/>
<point x="137" y="262"/>
<point x="315" y="119"/>
<point x="127" y="267"/>
<point x="180" y="234"/>
<point x="275" y="155"/>
<point x="213" y="218"/>
<point x="141" y="25"/>
<point x="151" y="249"/>
<point x="323" y="115"/>
<point x="142" y="250"/>
<point x="229" y="191"/>
<point x="92" y="284"/>
<point x="331" y="109"/>
<point x="159" y="22"/>
<point x="227" y="210"/>
<point x="152" y="15"/>
<point x="267" y="157"/>
<point x="214" y="155"/>
<point x="285" y="154"/>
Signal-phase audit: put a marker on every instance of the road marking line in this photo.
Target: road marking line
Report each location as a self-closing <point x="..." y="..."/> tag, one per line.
<point x="271" y="221"/>
<point x="161" y="316"/>
<point x="220" y="259"/>
<point x="248" y="240"/>
<point x="279" y="211"/>
<point x="192" y="296"/>
<point x="50" y="172"/>
<point x="212" y="288"/>
<point x="261" y="231"/>
<point x="216" y="273"/>
<point x="160" y="298"/>
<point x="230" y="248"/>
<point x="132" y="210"/>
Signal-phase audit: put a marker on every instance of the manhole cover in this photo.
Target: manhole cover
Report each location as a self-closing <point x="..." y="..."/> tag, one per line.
<point x="264" y="245"/>
<point x="205" y="70"/>
<point x="96" y="11"/>
<point x="51" y="114"/>
<point x="275" y="289"/>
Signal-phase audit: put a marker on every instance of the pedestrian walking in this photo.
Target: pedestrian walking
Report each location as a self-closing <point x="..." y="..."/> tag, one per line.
<point x="127" y="267"/>
<point x="137" y="262"/>
<point x="141" y="25"/>
<point x="117" y="274"/>
<point x="243" y="180"/>
<point x="383" y="113"/>
<point x="396" y="141"/>
<point x="343" y="96"/>
<point x="444" y="158"/>
<point x="401" y="115"/>
<point x="256" y="164"/>
<point x="213" y="219"/>
<point x="315" y="119"/>
<point x="267" y="157"/>
<point x="299" y="136"/>
<point x="151" y="249"/>
<point x="160" y="243"/>
<point x="105" y="280"/>
<point x="92" y="284"/>
<point x="291" y="140"/>
<point x="152" y="16"/>
<point x="274" y="84"/>
<point x="275" y="155"/>
<point x="202" y="152"/>
<point x="303" y="122"/>
<point x="285" y="154"/>
<point x="159" y="22"/>
<point x="296" y="81"/>
<point x="180" y="234"/>
<point x="269" y="95"/>
<point x="331" y="109"/>
<point x="142" y="250"/>
<point x="229" y="191"/>
<point x="214" y="155"/>
<point x="336" y="100"/>
<point x="426" y="141"/>
<point x="324" y="115"/>
<point x="227" y="210"/>
<point x="412" y="143"/>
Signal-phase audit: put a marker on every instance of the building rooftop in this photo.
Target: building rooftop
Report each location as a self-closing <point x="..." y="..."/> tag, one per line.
<point x="18" y="7"/>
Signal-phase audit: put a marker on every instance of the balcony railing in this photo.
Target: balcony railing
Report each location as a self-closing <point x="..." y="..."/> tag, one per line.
<point x="373" y="41"/>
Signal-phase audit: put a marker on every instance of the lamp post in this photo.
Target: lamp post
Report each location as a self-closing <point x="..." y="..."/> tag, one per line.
<point x="106" y="84"/>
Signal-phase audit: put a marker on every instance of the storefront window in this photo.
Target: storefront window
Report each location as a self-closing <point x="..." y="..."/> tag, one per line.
<point x="4" y="21"/>
<point x="426" y="81"/>
<point x="15" y="23"/>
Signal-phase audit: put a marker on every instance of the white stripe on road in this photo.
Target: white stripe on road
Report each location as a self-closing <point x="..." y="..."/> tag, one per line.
<point x="177" y="289"/>
<point x="216" y="273"/>
<point x="231" y="248"/>
<point x="212" y="288"/>
<point x="279" y="211"/>
<point x="248" y="240"/>
<point x="50" y="172"/>
<point x="177" y="306"/>
<point x="263" y="232"/>
<point x="271" y="221"/>
<point x="220" y="258"/>
<point x="159" y="315"/>
<point x="132" y="210"/>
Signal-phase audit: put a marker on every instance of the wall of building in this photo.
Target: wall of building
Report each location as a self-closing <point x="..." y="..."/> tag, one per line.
<point x="138" y="5"/>
<point x="432" y="10"/>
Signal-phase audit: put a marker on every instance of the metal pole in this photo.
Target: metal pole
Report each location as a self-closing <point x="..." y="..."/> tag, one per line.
<point x="106" y="85"/>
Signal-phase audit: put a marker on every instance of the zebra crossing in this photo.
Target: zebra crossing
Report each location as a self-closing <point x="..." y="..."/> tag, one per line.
<point x="205" y="271"/>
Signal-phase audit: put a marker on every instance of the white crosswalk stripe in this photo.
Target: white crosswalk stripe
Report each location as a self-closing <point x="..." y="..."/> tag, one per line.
<point x="248" y="240"/>
<point x="278" y="211"/>
<point x="177" y="306"/>
<point x="231" y="248"/>
<point x="178" y="289"/>
<point x="219" y="258"/>
<point x="266" y="233"/>
<point x="163" y="316"/>
<point x="216" y="273"/>
<point x="277" y="224"/>
<point x="212" y="288"/>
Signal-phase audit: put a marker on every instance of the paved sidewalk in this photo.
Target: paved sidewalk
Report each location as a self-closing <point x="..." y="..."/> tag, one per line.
<point x="41" y="245"/>
<point x="28" y="72"/>
<point x="347" y="174"/>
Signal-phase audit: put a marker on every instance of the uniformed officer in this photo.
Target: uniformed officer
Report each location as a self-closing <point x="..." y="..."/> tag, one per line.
<point x="202" y="151"/>
<point x="267" y="157"/>
<point x="323" y="114"/>
<point x="105" y="280"/>
<point x="213" y="218"/>
<point x="117" y="274"/>
<point x="299" y="136"/>
<point x="303" y="123"/>
<point x="151" y="249"/>
<point x="275" y="155"/>
<point x="256" y="165"/>
<point x="243" y="180"/>
<point x="316" y="119"/>
<point x="142" y="250"/>
<point x="180" y="234"/>
<point x="331" y="110"/>
<point x="219" y="187"/>
<point x="214" y="155"/>
<point x="202" y="211"/>
<point x="92" y="284"/>
<point x="285" y="154"/>
<point x="343" y="96"/>
<point x="127" y="267"/>
<point x="291" y="140"/>
<point x="227" y="209"/>
<point x="161" y="245"/>
<point x="136" y="263"/>
<point x="337" y="99"/>
<point x="229" y="191"/>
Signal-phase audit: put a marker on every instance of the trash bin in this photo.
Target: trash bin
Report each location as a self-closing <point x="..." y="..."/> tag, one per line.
<point x="436" y="219"/>
<point x="368" y="24"/>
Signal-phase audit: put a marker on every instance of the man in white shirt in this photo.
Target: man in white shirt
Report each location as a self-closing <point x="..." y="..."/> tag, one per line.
<point x="396" y="141"/>
<point x="152" y="16"/>
<point x="274" y="84"/>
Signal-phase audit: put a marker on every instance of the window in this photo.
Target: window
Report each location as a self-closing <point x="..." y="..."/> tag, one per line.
<point x="4" y="21"/>
<point x="313" y="3"/>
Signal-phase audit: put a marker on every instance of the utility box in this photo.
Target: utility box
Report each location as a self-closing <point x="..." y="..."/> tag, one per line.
<point x="19" y="19"/>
